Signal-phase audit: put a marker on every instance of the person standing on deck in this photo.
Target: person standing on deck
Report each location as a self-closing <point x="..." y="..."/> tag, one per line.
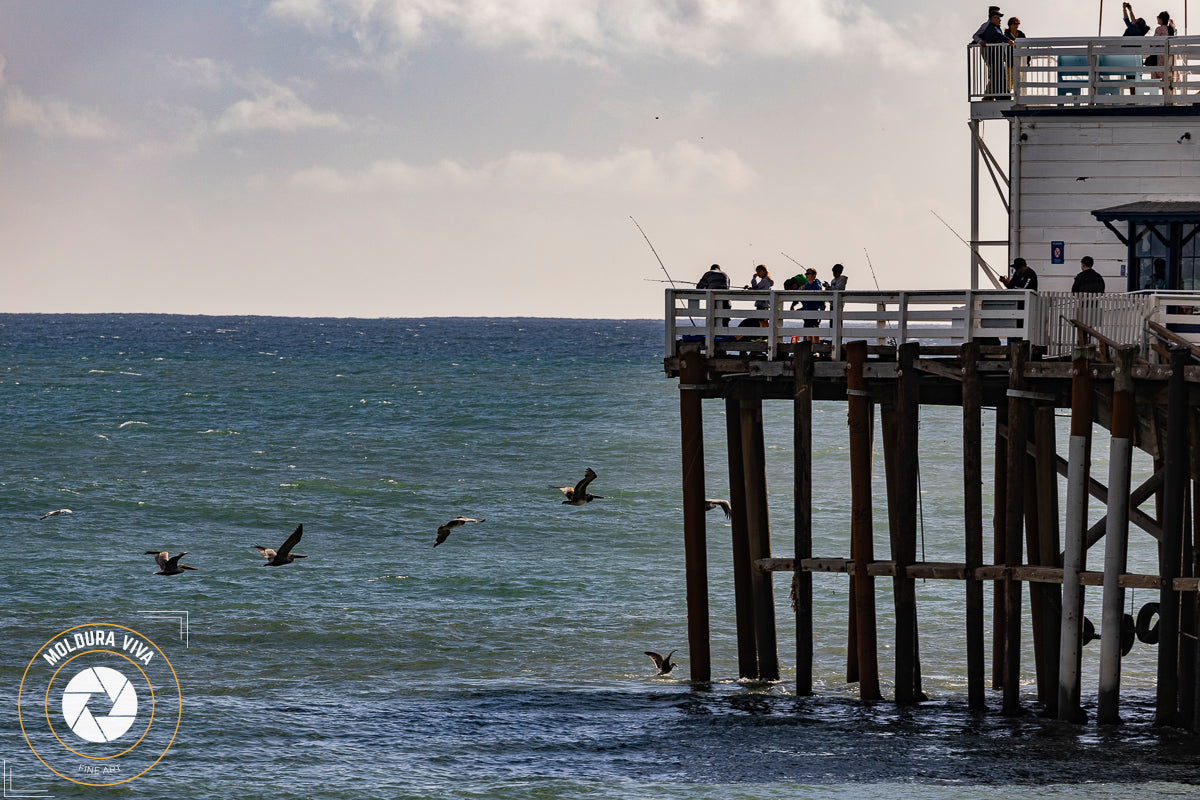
<point x="993" y="47"/>
<point x="838" y="284"/>
<point x="1088" y="280"/>
<point x="761" y="281"/>
<point x="1023" y="276"/>
<point x="716" y="278"/>
<point x="1166" y="27"/>
<point x="813" y="285"/>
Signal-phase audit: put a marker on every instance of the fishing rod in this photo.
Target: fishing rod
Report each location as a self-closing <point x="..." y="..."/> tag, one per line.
<point x="670" y="280"/>
<point x="794" y="261"/>
<point x="871" y="267"/>
<point x="992" y="275"/>
<point x="659" y="280"/>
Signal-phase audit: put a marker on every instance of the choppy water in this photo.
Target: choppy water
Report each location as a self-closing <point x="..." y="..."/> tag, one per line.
<point x="508" y="661"/>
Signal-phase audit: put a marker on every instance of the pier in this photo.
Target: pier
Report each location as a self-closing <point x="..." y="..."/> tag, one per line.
<point x="1123" y="370"/>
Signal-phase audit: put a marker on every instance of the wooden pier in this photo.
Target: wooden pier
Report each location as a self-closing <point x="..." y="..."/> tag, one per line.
<point x="1145" y="394"/>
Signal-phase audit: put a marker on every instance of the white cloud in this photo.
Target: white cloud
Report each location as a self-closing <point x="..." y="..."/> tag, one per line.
<point x="276" y="108"/>
<point x="53" y="118"/>
<point x="683" y="169"/>
<point x="595" y="30"/>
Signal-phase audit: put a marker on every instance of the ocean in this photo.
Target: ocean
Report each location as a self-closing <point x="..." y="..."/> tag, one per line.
<point x="505" y="663"/>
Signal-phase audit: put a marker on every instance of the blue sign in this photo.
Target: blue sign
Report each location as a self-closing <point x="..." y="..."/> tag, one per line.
<point x="1056" y="252"/>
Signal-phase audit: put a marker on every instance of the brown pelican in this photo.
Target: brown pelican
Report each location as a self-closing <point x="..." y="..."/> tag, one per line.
<point x="443" y="531"/>
<point x="56" y="513"/>
<point x="577" y="495"/>
<point x="664" y="664"/>
<point x="284" y="555"/>
<point x="709" y="505"/>
<point x="168" y="565"/>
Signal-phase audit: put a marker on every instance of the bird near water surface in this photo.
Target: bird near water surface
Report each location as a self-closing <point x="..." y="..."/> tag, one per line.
<point x="56" y="513"/>
<point x="664" y="663"/>
<point x="443" y="531"/>
<point x="577" y="495"/>
<point x="284" y="555"/>
<point x="168" y="564"/>
<point x="709" y="505"/>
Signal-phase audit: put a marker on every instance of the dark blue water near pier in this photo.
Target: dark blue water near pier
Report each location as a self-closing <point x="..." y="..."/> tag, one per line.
<point x="507" y="662"/>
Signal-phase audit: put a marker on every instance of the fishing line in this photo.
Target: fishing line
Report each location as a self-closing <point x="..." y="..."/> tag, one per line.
<point x="872" y="268"/>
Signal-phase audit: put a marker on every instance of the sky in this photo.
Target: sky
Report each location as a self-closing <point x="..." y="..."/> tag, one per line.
<point x="482" y="158"/>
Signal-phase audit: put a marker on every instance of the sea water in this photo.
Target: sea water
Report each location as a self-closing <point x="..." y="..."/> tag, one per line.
<point x="507" y="662"/>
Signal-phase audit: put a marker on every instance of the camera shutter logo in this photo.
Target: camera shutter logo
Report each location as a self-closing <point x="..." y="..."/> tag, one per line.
<point x="99" y="704"/>
<point x="77" y="708"/>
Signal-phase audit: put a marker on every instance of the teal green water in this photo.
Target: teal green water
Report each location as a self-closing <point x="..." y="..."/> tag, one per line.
<point x="508" y="661"/>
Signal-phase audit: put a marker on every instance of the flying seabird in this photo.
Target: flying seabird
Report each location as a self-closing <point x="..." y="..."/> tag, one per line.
<point x="577" y="495"/>
<point x="56" y="512"/>
<point x="443" y="531"/>
<point x="168" y="565"/>
<point x="709" y="505"/>
<point x="284" y="555"/>
<point x="664" y="665"/>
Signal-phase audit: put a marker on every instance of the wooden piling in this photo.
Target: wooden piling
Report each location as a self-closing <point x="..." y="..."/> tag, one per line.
<point x="802" y="591"/>
<point x="1175" y="482"/>
<point x="743" y="589"/>
<point x="999" y="548"/>
<point x="862" y="552"/>
<point x="904" y="531"/>
<point x="1014" y="517"/>
<point x="1116" y="537"/>
<point x="1079" y="461"/>
<point x="758" y="527"/>
<point x="1047" y="551"/>
<point x="973" y="521"/>
<point x="691" y="385"/>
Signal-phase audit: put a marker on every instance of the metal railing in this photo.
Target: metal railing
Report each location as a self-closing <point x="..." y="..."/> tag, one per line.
<point x="1087" y="71"/>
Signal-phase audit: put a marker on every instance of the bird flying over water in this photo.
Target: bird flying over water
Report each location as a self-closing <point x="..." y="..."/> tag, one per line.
<point x="284" y="555"/>
<point x="664" y="664"/>
<point x="443" y="531"/>
<point x="577" y="495"/>
<point x="56" y="512"/>
<point x="709" y="505"/>
<point x="167" y="564"/>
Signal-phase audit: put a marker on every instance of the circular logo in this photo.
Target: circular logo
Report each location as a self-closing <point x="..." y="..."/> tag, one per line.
<point x="99" y="704"/>
<point x="105" y="682"/>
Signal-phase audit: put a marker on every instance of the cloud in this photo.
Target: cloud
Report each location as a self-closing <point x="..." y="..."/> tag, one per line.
<point x="683" y="169"/>
<point x="275" y="108"/>
<point x="53" y="118"/>
<point x="597" y="30"/>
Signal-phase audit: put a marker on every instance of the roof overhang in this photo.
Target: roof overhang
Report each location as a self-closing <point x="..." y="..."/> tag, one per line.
<point x="1151" y="211"/>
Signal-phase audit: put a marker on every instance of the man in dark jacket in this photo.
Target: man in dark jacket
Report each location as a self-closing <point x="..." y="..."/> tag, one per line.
<point x="1088" y="280"/>
<point x="993" y="47"/>
<point x="1023" y="276"/>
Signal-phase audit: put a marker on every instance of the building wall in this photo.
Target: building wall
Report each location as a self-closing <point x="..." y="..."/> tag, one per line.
<point x="1069" y="165"/>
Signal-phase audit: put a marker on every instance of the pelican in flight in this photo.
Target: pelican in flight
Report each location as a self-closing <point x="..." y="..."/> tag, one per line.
<point x="664" y="663"/>
<point x="577" y="495"/>
<point x="709" y="505"/>
<point x="168" y="565"/>
<point x="56" y="512"/>
<point x="284" y="555"/>
<point x="443" y="531"/>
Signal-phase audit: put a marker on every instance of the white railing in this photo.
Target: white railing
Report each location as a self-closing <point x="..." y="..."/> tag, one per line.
<point x="1087" y="71"/>
<point x="728" y="320"/>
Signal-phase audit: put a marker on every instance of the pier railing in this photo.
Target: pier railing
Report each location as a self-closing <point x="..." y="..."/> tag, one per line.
<point x="1082" y="71"/>
<point x="730" y="321"/>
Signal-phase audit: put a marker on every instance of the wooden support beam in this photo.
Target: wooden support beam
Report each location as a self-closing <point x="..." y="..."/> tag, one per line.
<point x="973" y="521"/>
<point x="743" y="590"/>
<point x="758" y="527"/>
<point x="1014" y="507"/>
<point x="905" y="467"/>
<point x="802" y="435"/>
<point x="695" y="540"/>
<point x="861" y="538"/>
<point x="1175" y="483"/>
<point x="999" y="525"/>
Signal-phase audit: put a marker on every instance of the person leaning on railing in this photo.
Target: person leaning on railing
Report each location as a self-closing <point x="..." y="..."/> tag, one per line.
<point x="993" y="46"/>
<point x="1023" y="276"/>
